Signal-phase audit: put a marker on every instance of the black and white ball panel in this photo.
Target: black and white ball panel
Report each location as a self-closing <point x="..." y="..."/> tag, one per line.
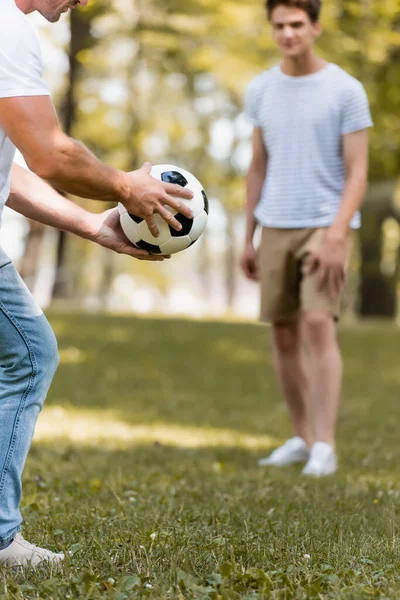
<point x="198" y="226"/>
<point x="129" y="226"/>
<point x="169" y="241"/>
<point x="172" y="174"/>
<point x="206" y="207"/>
<point x="174" y="177"/>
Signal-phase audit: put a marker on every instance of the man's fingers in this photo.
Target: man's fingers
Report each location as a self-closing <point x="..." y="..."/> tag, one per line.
<point x="178" y="206"/>
<point x="136" y="252"/>
<point x="169" y="218"/>
<point x="140" y="254"/>
<point x="147" y="167"/>
<point x="152" y="225"/>
<point x="152" y="258"/>
<point x="177" y="190"/>
<point x="148" y="257"/>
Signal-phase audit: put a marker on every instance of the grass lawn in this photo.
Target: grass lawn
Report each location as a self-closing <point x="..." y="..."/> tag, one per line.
<point x="144" y="468"/>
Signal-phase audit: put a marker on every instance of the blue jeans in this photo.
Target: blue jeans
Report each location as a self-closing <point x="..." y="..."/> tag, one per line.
<point x="28" y="361"/>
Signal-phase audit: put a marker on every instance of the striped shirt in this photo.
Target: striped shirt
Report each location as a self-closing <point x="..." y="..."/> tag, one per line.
<point x="303" y="120"/>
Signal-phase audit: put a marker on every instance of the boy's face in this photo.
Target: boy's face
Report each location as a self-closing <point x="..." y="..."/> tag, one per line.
<point x="293" y="30"/>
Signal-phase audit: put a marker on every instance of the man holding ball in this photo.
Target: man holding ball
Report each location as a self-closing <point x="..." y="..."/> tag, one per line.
<point x="28" y="348"/>
<point x="306" y="183"/>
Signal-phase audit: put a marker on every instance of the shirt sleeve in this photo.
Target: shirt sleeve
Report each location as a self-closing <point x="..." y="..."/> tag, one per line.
<point x="253" y="102"/>
<point x="20" y="60"/>
<point x="356" y="113"/>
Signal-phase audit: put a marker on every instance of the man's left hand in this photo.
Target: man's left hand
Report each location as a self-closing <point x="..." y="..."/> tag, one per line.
<point x="109" y="234"/>
<point x="329" y="264"/>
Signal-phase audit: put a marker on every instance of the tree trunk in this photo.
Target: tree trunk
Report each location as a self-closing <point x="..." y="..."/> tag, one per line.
<point x="378" y="294"/>
<point x="378" y="291"/>
<point x="80" y="39"/>
<point x="106" y="279"/>
<point x="29" y="267"/>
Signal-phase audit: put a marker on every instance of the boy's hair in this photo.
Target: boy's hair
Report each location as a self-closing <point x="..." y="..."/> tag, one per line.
<point x="311" y="7"/>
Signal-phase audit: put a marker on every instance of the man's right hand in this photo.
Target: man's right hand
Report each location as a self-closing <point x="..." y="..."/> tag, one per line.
<point x="31" y="124"/>
<point x="149" y="196"/>
<point x="249" y="262"/>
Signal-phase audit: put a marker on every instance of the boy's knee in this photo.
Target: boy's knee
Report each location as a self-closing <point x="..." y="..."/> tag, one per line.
<point x="319" y="329"/>
<point x="287" y="338"/>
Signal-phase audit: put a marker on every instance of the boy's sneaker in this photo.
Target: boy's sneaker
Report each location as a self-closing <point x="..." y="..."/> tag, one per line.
<point x="293" y="451"/>
<point x="322" y="460"/>
<point x="21" y="553"/>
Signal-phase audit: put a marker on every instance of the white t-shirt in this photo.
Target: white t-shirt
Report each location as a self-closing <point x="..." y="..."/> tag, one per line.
<point x="20" y="75"/>
<point x="303" y="121"/>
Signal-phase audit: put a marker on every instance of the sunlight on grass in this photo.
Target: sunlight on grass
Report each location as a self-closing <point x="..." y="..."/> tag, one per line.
<point x="91" y="428"/>
<point x="229" y="349"/>
<point x="72" y="356"/>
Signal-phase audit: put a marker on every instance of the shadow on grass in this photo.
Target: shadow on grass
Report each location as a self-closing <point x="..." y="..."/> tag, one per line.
<point x="189" y="373"/>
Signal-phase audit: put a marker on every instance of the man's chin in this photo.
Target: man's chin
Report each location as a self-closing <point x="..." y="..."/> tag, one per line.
<point x="52" y="18"/>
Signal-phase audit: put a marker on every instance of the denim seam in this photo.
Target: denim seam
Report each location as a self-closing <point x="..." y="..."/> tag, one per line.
<point x="24" y="395"/>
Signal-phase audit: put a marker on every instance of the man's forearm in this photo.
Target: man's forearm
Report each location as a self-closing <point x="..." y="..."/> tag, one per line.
<point x="71" y="167"/>
<point x="255" y="183"/>
<point x="353" y="196"/>
<point x="35" y="199"/>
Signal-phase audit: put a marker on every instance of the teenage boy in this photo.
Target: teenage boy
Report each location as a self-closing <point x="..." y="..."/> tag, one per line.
<point x="305" y="185"/>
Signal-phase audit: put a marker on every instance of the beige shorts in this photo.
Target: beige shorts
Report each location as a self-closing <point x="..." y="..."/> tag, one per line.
<point x="287" y="289"/>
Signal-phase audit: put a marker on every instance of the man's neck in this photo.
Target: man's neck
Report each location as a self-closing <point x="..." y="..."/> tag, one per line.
<point x="306" y="64"/>
<point x="25" y="6"/>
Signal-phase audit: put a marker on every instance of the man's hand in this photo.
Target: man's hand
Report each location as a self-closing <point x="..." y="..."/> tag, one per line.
<point x="107" y="232"/>
<point x="249" y="262"/>
<point x="329" y="264"/>
<point x="148" y="196"/>
<point x="31" y="124"/>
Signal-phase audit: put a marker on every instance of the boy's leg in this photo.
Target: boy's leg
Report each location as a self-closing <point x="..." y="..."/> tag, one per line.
<point x="280" y="306"/>
<point x="325" y="372"/>
<point x="318" y="322"/>
<point x="291" y="368"/>
<point x="28" y="360"/>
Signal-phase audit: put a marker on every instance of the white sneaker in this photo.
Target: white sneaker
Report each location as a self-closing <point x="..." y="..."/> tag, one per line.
<point x="293" y="451"/>
<point x="21" y="553"/>
<point x="322" y="460"/>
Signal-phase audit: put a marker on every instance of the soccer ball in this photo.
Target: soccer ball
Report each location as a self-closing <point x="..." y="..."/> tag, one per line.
<point x="169" y="241"/>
